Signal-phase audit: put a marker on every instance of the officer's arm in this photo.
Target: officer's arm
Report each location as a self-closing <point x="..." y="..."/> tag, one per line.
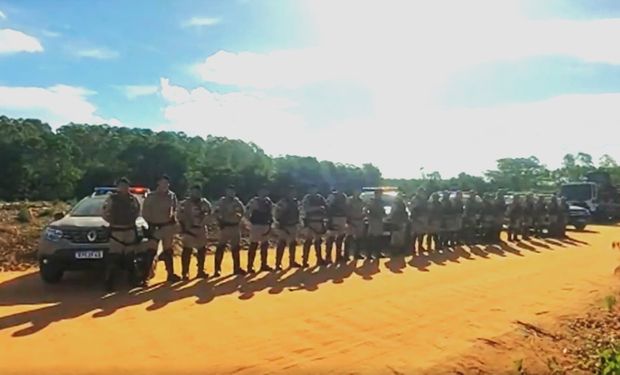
<point x="107" y="209"/>
<point x="250" y="207"/>
<point x="135" y="209"/>
<point x="175" y="204"/>
<point x="147" y="209"/>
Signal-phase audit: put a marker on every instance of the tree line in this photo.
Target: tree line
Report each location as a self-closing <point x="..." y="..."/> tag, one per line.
<point x="41" y="164"/>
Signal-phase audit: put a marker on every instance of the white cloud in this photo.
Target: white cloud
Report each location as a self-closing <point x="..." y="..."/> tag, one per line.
<point x="201" y="21"/>
<point x="100" y="53"/>
<point x="13" y="41"/>
<point x="50" y="34"/>
<point x="134" y="91"/>
<point x="251" y="117"/>
<point x="2" y="15"/>
<point x="58" y="105"/>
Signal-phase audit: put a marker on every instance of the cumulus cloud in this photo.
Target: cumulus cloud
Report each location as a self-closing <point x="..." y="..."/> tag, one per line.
<point x="268" y="121"/>
<point x="100" y="53"/>
<point x="134" y="91"/>
<point x="13" y="41"/>
<point x="58" y="105"/>
<point x="201" y="21"/>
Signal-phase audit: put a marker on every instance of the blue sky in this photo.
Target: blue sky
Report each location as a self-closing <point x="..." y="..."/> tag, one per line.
<point x="446" y="85"/>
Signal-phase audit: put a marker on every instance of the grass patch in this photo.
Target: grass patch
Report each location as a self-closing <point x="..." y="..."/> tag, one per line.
<point x="609" y="361"/>
<point x="610" y="303"/>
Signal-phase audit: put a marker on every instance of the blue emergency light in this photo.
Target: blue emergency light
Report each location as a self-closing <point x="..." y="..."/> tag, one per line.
<point x="103" y="190"/>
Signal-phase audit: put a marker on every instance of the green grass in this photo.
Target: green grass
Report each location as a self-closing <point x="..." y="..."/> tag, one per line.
<point x="610" y="303"/>
<point x="609" y="362"/>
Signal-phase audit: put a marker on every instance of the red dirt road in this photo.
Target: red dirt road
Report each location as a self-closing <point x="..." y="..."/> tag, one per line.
<point x="388" y="317"/>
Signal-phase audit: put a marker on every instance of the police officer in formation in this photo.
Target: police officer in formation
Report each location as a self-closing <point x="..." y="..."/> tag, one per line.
<point x="336" y="225"/>
<point x="194" y="214"/>
<point x="120" y="210"/>
<point x="229" y="212"/>
<point x="159" y="210"/>
<point x="286" y="215"/>
<point x="259" y="213"/>
<point x="356" y="211"/>
<point x="314" y="212"/>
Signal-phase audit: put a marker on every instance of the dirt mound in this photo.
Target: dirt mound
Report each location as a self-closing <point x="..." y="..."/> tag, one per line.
<point x="21" y="224"/>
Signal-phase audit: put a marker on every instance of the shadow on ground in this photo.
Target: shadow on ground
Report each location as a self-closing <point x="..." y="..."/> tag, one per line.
<point x="81" y="294"/>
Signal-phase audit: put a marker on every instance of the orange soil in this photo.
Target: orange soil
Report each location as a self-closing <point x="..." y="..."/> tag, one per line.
<point x="393" y="316"/>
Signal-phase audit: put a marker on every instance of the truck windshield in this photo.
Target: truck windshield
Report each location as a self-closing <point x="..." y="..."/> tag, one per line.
<point x="89" y="207"/>
<point x="580" y="193"/>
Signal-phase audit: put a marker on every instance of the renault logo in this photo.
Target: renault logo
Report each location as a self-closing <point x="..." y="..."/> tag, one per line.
<point x="91" y="236"/>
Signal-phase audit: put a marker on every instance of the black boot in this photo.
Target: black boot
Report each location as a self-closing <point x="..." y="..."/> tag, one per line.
<point x="186" y="255"/>
<point x="264" y="254"/>
<point x="292" y="250"/>
<point x="319" y="256"/>
<point x="329" y="245"/>
<point x="252" y="256"/>
<point x="236" y="255"/>
<point x="219" y="257"/>
<point x="280" y="254"/>
<point x="169" y="263"/>
<point x="305" y="253"/>
<point x="201" y="254"/>
<point x="348" y="247"/>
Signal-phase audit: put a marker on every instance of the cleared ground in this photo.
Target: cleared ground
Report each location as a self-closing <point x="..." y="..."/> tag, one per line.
<point x="391" y="316"/>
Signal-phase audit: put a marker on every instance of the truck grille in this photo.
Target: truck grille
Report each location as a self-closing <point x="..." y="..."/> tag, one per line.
<point x="81" y="235"/>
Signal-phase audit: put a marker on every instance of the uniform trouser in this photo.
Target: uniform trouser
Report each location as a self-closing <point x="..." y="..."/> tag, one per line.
<point x="186" y="256"/>
<point x="514" y="229"/>
<point x="123" y="247"/>
<point x="164" y="234"/>
<point x="538" y="225"/>
<point x="312" y="233"/>
<point x="228" y="234"/>
<point x="259" y="237"/>
<point x="335" y="236"/>
<point x="354" y="239"/>
<point x="526" y="228"/>
<point x="287" y="235"/>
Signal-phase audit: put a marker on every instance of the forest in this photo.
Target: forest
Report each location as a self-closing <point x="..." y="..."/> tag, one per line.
<point x="39" y="163"/>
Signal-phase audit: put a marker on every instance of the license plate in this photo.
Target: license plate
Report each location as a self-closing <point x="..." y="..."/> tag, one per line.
<point x="90" y="254"/>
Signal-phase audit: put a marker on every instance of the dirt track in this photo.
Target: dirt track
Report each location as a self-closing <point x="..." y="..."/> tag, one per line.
<point x="394" y="316"/>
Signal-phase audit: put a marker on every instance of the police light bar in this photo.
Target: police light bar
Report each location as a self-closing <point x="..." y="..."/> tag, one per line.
<point x="138" y="190"/>
<point x="104" y="190"/>
<point x="381" y="188"/>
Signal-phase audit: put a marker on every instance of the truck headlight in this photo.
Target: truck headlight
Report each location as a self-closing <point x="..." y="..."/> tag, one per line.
<point x="53" y="234"/>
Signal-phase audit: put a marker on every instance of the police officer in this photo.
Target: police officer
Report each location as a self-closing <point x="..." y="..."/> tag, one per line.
<point x="539" y="216"/>
<point x="336" y="224"/>
<point x="499" y="214"/>
<point x="194" y="213"/>
<point x="418" y="210"/>
<point x="356" y="211"/>
<point x="398" y="218"/>
<point x="515" y="219"/>
<point x="447" y="218"/>
<point x="314" y="208"/>
<point x="259" y="213"/>
<point x="286" y="215"/>
<point x="375" y="211"/>
<point x="487" y="219"/>
<point x="528" y="216"/>
<point x="229" y="212"/>
<point x="563" y="215"/>
<point x="457" y="211"/>
<point x="159" y="211"/>
<point x="553" y="215"/>
<point x="434" y="222"/>
<point x="120" y="210"/>
<point x="471" y="218"/>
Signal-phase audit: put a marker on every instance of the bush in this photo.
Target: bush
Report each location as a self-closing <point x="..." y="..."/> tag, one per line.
<point x="609" y="361"/>
<point x="24" y="215"/>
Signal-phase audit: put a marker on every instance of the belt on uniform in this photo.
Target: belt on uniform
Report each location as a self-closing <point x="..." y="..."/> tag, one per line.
<point x="226" y="224"/>
<point x="321" y="221"/>
<point x="135" y="241"/>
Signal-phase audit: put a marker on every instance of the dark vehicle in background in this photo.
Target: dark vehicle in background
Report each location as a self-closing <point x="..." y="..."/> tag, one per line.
<point x="597" y="194"/>
<point x="578" y="217"/>
<point x="79" y="240"/>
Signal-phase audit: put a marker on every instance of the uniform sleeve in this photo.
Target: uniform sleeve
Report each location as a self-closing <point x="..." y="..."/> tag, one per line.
<point x="107" y="209"/>
<point x="305" y="203"/>
<point x="240" y="206"/>
<point x="147" y="209"/>
<point x="175" y="204"/>
<point x="184" y="214"/>
<point x="250" y="207"/>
